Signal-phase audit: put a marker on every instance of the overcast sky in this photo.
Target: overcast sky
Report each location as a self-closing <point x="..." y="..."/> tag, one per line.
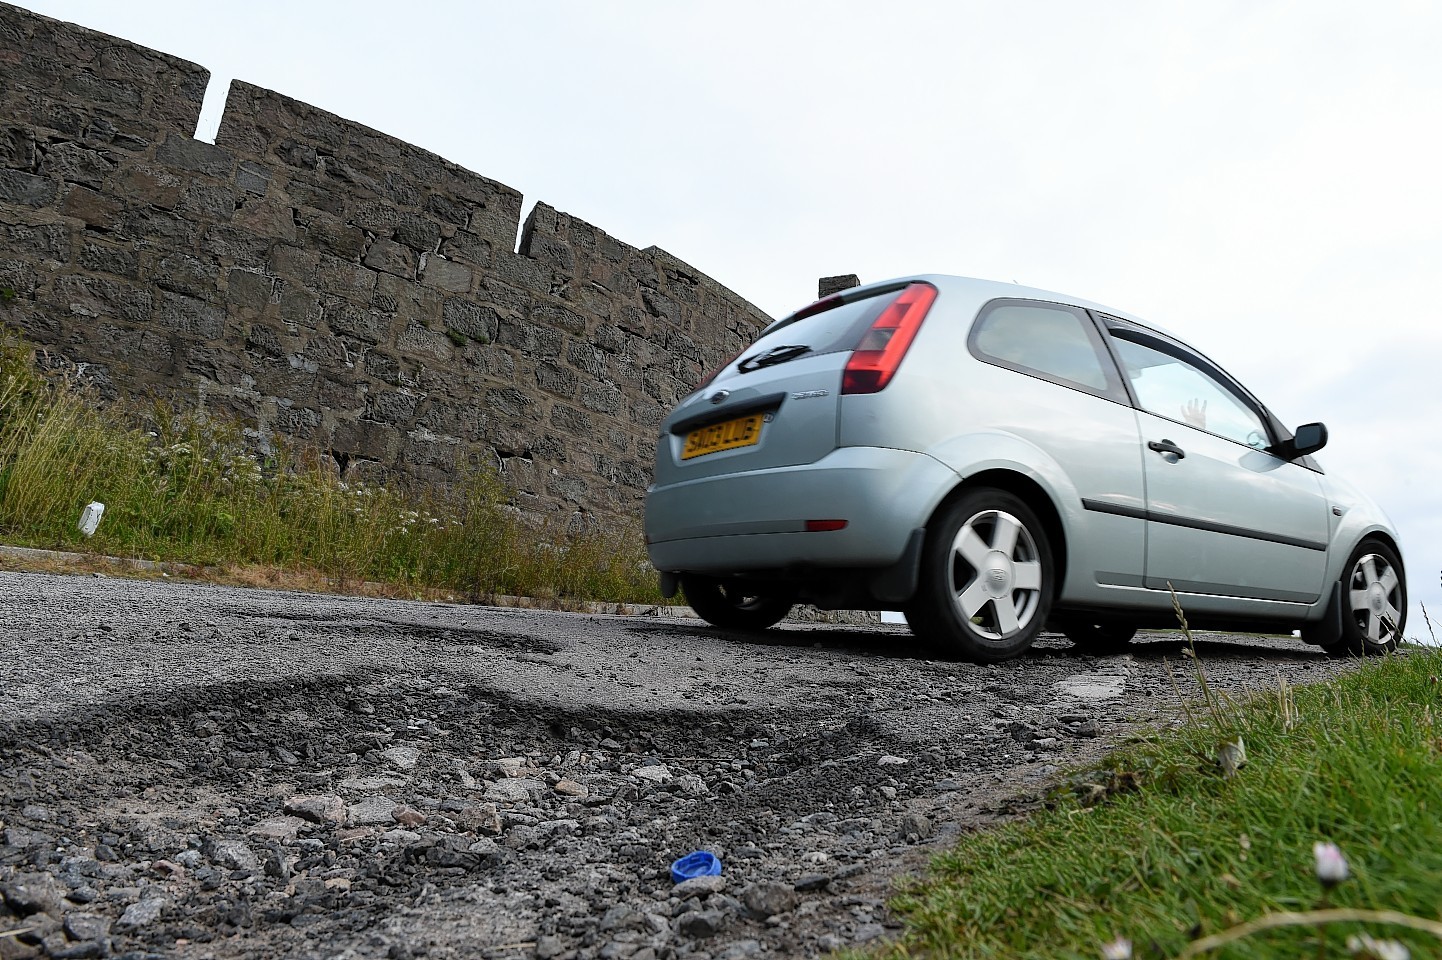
<point x="1260" y="178"/>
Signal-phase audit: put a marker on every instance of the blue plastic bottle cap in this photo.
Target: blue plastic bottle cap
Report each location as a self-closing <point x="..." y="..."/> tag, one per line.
<point x="698" y="864"/>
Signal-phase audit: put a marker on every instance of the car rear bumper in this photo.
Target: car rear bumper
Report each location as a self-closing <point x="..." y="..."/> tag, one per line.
<point x="757" y="520"/>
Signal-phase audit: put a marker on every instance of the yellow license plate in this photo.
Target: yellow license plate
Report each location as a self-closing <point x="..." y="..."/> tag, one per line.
<point x="727" y="435"/>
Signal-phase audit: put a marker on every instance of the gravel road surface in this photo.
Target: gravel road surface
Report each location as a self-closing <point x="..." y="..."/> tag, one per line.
<point x="194" y="771"/>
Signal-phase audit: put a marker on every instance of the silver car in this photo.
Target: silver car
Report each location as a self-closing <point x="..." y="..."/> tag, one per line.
<point x="994" y="460"/>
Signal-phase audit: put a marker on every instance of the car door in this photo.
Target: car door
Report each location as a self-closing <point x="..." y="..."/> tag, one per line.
<point x="1224" y="516"/>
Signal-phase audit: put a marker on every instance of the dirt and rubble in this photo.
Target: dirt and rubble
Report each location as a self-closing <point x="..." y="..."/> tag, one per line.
<point x="192" y="771"/>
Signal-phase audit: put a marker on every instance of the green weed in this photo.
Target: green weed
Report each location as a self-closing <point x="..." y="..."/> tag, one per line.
<point x="187" y="487"/>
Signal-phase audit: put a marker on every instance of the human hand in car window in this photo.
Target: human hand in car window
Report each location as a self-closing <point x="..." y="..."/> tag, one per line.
<point x="1194" y="413"/>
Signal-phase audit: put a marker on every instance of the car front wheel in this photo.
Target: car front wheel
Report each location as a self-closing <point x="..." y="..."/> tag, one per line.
<point x="734" y="606"/>
<point x="1374" y="602"/>
<point x="986" y="578"/>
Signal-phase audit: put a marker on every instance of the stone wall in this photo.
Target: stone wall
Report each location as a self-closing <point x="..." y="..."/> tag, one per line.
<point x="328" y="283"/>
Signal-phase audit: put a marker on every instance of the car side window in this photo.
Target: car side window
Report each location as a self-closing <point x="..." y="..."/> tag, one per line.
<point x="1172" y="386"/>
<point x="1048" y="340"/>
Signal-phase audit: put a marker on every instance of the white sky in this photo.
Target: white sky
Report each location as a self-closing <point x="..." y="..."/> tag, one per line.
<point x="1260" y="177"/>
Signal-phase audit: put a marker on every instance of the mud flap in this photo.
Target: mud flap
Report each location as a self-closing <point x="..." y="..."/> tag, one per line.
<point x="897" y="583"/>
<point x="1327" y="632"/>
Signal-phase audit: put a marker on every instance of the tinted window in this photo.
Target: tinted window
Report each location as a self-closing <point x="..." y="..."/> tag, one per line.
<point x="828" y="331"/>
<point x="1047" y="340"/>
<point x="1173" y="386"/>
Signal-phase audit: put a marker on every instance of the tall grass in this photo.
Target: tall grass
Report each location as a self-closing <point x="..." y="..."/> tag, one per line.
<point x="187" y="487"/>
<point x="1180" y="846"/>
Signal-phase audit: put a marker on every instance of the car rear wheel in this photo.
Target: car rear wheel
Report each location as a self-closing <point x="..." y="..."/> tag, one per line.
<point x="733" y="605"/>
<point x="1106" y="636"/>
<point x="986" y="579"/>
<point x="1374" y="602"/>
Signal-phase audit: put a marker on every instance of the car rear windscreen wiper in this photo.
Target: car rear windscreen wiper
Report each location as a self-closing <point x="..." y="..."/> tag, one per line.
<point x="773" y="356"/>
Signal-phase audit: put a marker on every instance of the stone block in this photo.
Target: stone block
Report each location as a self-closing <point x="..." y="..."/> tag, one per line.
<point x="241" y="248"/>
<point x="213" y="203"/>
<point x="296" y="420"/>
<point x="588" y="360"/>
<point x="390" y="257"/>
<point x="17" y="149"/>
<point x="391" y="407"/>
<point x="510" y="401"/>
<point x="530" y="339"/>
<point x="442" y="274"/>
<point x="418" y="339"/>
<point x="553" y="315"/>
<point x="317" y="196"/>
<point x="48" y="240"/>
<point x="252" y="177"/>
<point x="120" y="259"/>
<point x="477" y="321"/>
<point x="293" y="263"/>
<point x="18" y="277"/>
<point x="300" y="308"/>
<point x="161" y="229"/>
<point x="467" y="247"/>
<point x="248" y="291"/>
<point x="189" y="316"/>
<point x="383" y="367"/>
<point x="272" y="219"/>
<point x="184" y="274"/>
<point x="327" y="234"/>
<point x="362" y="323"/>
<point x="84" y="204"/>
<point x="184" y="153"/>
<point x="264" y="340"/>
<point x="418" y="233"/>
<point x="97" y="297"/>
<point x="331" y="354"/>
<point x="556" y="379"/>
<point x="603" y="398"/>
<point x="27" y="189"/>
<point x="74" y="163"/>
<point x="366" y="438"/>
<point x="143" y="183"/>
<point x="578" y="423"/>
<point x="342" y="277"/>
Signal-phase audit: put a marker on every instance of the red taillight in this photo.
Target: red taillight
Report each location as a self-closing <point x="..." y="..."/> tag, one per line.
<point x="874" y="361"/>
<point x="822" y="526"/>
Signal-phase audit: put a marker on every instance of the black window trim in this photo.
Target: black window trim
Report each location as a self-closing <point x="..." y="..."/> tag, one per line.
<point x="1147" y="337"/>
<point x="1116" y="389"/>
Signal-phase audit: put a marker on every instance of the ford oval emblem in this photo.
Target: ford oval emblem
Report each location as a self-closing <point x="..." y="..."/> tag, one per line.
<point x="720" y="396"/>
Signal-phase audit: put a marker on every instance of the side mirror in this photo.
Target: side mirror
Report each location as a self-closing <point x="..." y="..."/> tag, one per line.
<point x="1309" y="438"/>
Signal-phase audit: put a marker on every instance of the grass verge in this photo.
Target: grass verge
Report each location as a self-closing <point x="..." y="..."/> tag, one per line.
<point x="186" y="488"/>
<point x="1200" y="841"/>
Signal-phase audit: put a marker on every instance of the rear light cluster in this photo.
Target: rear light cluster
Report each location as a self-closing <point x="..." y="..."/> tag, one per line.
<point x="874" y="361"/>
<point x="879" y="353"/>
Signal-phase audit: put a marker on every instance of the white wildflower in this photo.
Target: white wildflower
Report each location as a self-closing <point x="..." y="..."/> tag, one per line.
<point x="1118" y="949"/>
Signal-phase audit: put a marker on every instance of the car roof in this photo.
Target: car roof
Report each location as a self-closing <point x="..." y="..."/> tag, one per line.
<point x="980" y="291"/>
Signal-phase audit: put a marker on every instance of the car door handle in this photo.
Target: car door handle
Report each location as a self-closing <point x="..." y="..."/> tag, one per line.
<point x="1166" y="446"/>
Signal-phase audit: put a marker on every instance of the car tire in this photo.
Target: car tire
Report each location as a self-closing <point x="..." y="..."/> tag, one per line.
<point x="1374" y="602"/>
<point x="733" y="606"/>
<point x="987" y="579"/>
<point x="1105" y="636"/>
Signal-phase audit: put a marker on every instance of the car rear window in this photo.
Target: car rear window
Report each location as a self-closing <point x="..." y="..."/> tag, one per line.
<point x="828" y="331"/>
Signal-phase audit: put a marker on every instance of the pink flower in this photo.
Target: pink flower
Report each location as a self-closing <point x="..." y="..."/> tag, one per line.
<point x="1331" y="865"/>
